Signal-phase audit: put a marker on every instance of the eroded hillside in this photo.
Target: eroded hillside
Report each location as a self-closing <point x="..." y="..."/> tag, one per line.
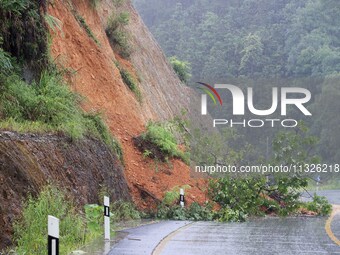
<point x="91" y="65"/>
<point x="97" y="78"/>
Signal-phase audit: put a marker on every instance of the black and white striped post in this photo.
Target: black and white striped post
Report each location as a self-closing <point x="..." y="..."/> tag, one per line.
<point x="181" y="197"/>
<point x="107" y="218"/>
<point x="53" y="235"/>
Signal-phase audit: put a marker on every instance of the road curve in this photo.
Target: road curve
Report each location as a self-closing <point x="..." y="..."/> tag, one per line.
<point x="261" y="236"/>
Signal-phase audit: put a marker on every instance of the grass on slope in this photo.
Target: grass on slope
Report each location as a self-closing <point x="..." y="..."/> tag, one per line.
<point x="48" y="105"/>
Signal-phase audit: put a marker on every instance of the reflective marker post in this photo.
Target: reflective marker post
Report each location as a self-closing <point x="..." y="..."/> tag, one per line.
<point x="53" y="235"/>
<point x="107" y="218"/>
<point x="181" y="197"/>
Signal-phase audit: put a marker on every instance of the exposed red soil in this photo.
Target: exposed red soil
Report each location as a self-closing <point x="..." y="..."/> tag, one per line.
<point x="99" y="81"/>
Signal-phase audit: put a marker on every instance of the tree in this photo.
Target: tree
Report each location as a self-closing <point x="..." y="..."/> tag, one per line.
<point x="251" y="54"/>
<point x="181" y="68"/>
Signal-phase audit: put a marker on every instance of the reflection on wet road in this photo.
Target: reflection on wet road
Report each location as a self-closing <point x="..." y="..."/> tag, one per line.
<point x="262" y="236"/>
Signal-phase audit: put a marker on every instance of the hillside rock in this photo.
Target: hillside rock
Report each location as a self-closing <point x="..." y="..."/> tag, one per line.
<point x="28" y="162"/>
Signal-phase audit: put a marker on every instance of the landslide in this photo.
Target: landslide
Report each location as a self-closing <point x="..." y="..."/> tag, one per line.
<point x="98" y="79"/>
<point x="29" y="161"/>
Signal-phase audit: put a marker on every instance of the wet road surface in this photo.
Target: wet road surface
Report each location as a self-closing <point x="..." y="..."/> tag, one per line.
<point x="262" y="236"/>
<point x="333" y="196"/>
<point x="143" y="240"/>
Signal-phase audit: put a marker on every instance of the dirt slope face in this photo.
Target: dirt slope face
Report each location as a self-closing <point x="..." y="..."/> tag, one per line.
<point x="28" y="162"/>
<point x="165" y="96"/>
<point x="98" y="79"/>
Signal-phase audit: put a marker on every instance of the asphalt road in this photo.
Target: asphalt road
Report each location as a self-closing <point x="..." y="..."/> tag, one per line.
<point x="333" y="196"/>
<point x="298" y="235"/>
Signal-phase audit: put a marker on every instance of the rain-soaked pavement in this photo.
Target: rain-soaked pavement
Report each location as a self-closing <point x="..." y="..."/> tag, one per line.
<point x="292" y="235"/>
<point x="333" y="196"/>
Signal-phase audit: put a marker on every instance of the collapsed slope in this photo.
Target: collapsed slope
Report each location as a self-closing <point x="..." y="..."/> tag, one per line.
<point x="97" y="78"/>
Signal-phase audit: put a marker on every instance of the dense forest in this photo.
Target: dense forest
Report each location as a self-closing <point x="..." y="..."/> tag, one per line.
<point x="292" y="42"/>
<point x="247" y="37"/>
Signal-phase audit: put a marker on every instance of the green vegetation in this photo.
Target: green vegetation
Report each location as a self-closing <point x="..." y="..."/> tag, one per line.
<point x="48" y="106"/>
<point x="23" y="33"/>
<point x="54" y="23"/>
<point x="123" y="211"/>
<point x="94" y="221"/>
<point x="295" y="147"/>
<point x="160" y="143"/>
<point x="41" y="102"/>
<point x="260" y="44"/>
<point x="253" y="196"/>
<point x="5" y="60"/>
<point x="76" y="228"/>
<point x="170" y="197"/>
<point x="240" y="198"/>
<point x="194" y="212"/>
<point x="31" y="229"/>
<point x="181" y="68"/>
<point x="247" y="37"/>
<point x="84" y="25"/>
<point x="319" y="205"/>
<point x="99" y="129"/>
<point x="240" y="195"/>
<point x="117" y="35"/>
<point x="131" y="83"/>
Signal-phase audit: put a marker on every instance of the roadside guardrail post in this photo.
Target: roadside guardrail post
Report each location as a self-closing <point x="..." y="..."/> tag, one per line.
<point x="53" y="235"/>
<point x="106" y="218"/>
<point x="181" y="197"/>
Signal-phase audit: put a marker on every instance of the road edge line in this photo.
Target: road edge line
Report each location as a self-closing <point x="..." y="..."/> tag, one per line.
<point x="328" y="225"/>
<point x="161" y="245"/>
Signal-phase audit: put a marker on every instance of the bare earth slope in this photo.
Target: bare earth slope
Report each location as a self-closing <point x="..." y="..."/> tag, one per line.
<point x="28" y="162"/>
<point x="98" y="79"/>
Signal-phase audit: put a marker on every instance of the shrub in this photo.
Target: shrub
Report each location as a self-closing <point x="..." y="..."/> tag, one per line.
<point x="5" y="60"/>
<point x="226" y="214"/>
<point x="117" y="35"/>
<point x="49" y="106"/>
<point x="94" y="220"/>
<point x="320" y="205"/>
<point x="31" y="229"/>
<point x="195" y="212"/>
<point x="98" y="128"/>
<point x="131" y="83"/>
<point x="161" y="143"/>
<point x="24" y="33"/>
<point x="181" y="68"/>
<point x="251" y="196"/>
<point x="285" y="190"/>
<point x="123" y="210"/>
<point x="48" y="102"/>
<point x="242" y="195"/>
<point x="170" y="197"/>
<point x="14" y="6"/>
<point x="120" y="211"/>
